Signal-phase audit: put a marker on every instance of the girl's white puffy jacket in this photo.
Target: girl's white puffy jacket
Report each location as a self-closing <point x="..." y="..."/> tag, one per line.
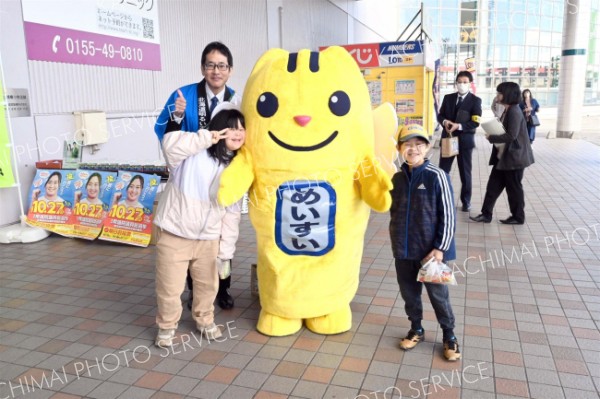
<point x="188" y="206"/>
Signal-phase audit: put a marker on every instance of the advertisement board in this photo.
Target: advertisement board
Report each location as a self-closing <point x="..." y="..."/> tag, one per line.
<point x="116" y="33"/>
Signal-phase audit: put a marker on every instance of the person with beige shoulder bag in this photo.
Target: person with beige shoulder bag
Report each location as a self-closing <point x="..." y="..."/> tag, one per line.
<point x="460" y="115"/>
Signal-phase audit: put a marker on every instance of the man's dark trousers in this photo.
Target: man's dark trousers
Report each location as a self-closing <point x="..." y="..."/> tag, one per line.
<point x="466" y="143"/>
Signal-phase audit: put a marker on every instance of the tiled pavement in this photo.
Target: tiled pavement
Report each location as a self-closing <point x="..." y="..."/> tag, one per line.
<point x="81" y="314"/>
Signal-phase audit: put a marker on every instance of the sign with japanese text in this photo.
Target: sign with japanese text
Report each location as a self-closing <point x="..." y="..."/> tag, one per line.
<point x="93" y="195"/>
<point x="130" y="217"/>
<point x="365" y="55"/>
<point x="405" y="86"/>
<point x="373" y="55"/>
<point x="51" y="201"/>
<point x="305" y="218"/>
<point x="17" y="102"/>
<point x="400" y="53"/>
<point x="117" y="33"/>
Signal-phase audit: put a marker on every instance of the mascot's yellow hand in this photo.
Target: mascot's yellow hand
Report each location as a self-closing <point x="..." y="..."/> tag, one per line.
<point x="385" y="122"/>
<point x="375" y="185"/>
<point x="236" y="179"/>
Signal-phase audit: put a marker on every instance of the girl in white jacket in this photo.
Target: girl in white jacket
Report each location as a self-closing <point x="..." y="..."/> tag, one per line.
<point x="195" y="232"/>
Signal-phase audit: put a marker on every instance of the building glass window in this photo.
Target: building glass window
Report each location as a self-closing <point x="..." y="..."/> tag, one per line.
<point x="518" y="40"/>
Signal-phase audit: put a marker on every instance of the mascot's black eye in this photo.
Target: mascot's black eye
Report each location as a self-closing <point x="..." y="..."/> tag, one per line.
<point x="267" y="104"/>
<point x="339" y="103"/>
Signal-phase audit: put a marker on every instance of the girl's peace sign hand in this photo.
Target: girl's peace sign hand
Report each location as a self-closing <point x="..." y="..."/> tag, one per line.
<point x="216" y="136"/>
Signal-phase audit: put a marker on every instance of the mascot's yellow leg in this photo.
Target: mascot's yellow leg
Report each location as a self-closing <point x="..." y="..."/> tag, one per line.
<point x="332" y="323"/>
<point x="275" y="326"/>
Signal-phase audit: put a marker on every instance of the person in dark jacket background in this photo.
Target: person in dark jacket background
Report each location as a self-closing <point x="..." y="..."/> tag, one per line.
<point x="530" y="107"/>
<point x="510" y="156"/>
<point x="459" y="115"/>
<point x="422" y="226"/>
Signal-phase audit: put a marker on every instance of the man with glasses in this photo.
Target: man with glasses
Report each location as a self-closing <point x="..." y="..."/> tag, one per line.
<point x="191" y="107"/>
<point x="459" y="115"/>
<point x="203" y="97"/>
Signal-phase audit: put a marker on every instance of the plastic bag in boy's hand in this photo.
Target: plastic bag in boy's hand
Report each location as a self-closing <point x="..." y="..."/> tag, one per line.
<point x="223" y="268"/>
<point x="436" y="272"/>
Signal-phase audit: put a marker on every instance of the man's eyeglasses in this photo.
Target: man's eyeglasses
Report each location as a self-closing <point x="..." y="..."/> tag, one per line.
<point x="211" y="66"/>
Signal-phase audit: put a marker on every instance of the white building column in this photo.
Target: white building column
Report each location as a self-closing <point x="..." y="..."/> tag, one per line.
<point x="573" y="62"/>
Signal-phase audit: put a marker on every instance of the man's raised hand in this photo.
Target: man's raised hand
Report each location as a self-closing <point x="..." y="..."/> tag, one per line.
<point x="180" y="104"/>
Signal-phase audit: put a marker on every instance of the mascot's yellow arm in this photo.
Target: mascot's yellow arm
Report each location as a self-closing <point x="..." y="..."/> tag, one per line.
<point x="373" y="181"/>
<point x="236" y="179"/>
<point x="374" y="185"/>
<point x="385" y="122"/>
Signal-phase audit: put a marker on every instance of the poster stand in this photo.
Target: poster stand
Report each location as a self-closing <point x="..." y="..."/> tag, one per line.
<point x="20" y="232"/>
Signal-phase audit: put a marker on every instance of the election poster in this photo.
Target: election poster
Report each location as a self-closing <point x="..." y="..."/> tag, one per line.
<point x="129" y="220"/>
<point x="51" y="201"/>
<point x="93" y="195"/>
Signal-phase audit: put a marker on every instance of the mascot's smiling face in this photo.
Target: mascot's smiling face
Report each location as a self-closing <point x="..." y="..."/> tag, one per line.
<point x="307" y="111"/>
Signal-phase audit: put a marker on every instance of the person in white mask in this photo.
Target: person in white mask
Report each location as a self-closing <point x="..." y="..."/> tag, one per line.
<point x="460" y="114"/>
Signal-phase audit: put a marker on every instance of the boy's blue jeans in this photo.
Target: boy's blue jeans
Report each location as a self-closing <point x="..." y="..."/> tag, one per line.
<point x="411" y="289"/>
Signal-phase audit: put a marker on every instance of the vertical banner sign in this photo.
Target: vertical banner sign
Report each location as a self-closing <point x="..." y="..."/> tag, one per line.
<point x="130" y="217"/>
<point x="51" y="201"/>
<point x="93" y="195"/>
<point x="6" y="173"/>
<point x="116" y="33"/>
<point x="470" y="65"/>
<point x="436" y="87"/>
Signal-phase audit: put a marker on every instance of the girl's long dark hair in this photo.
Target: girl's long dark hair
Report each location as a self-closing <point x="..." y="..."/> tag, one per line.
<point x="223" y="120"/>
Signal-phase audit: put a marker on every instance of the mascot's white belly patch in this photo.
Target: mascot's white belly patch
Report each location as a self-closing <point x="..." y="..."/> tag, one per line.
<point x="305" y="218"/>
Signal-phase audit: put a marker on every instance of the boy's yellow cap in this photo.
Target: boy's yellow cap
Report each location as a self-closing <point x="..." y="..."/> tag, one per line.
<point x="411" y="131"/>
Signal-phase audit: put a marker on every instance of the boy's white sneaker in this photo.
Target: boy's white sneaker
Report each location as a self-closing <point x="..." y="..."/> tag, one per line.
<point x="211" y="331"/>
<point x="164" y="338"/>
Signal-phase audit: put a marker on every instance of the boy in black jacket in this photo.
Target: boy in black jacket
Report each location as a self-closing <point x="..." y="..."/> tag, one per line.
<point x="422" y="226"/>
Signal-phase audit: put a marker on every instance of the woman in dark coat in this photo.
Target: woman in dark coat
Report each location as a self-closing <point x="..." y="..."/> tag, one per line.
<point x="510" y="156"/>
<point x="530" y="107"/>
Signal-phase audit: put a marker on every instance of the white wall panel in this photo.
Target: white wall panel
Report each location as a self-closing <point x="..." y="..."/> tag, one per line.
<point x="64" y="88"/>
<point x="52" y="131"/>
<point x="132" y="141"/>
<point x="313" y="23"/>
<point x="186" y="26"/>
<point x="246" y="36"/>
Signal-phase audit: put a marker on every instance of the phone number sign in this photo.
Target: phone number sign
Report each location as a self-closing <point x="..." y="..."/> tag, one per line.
<point x="56" y="44"/>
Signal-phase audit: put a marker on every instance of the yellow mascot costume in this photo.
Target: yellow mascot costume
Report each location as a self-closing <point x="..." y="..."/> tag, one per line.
<point x="310" y="168"/>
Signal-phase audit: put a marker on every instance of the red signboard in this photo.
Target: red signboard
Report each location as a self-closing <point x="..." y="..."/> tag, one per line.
<point x="365" y="55"/>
